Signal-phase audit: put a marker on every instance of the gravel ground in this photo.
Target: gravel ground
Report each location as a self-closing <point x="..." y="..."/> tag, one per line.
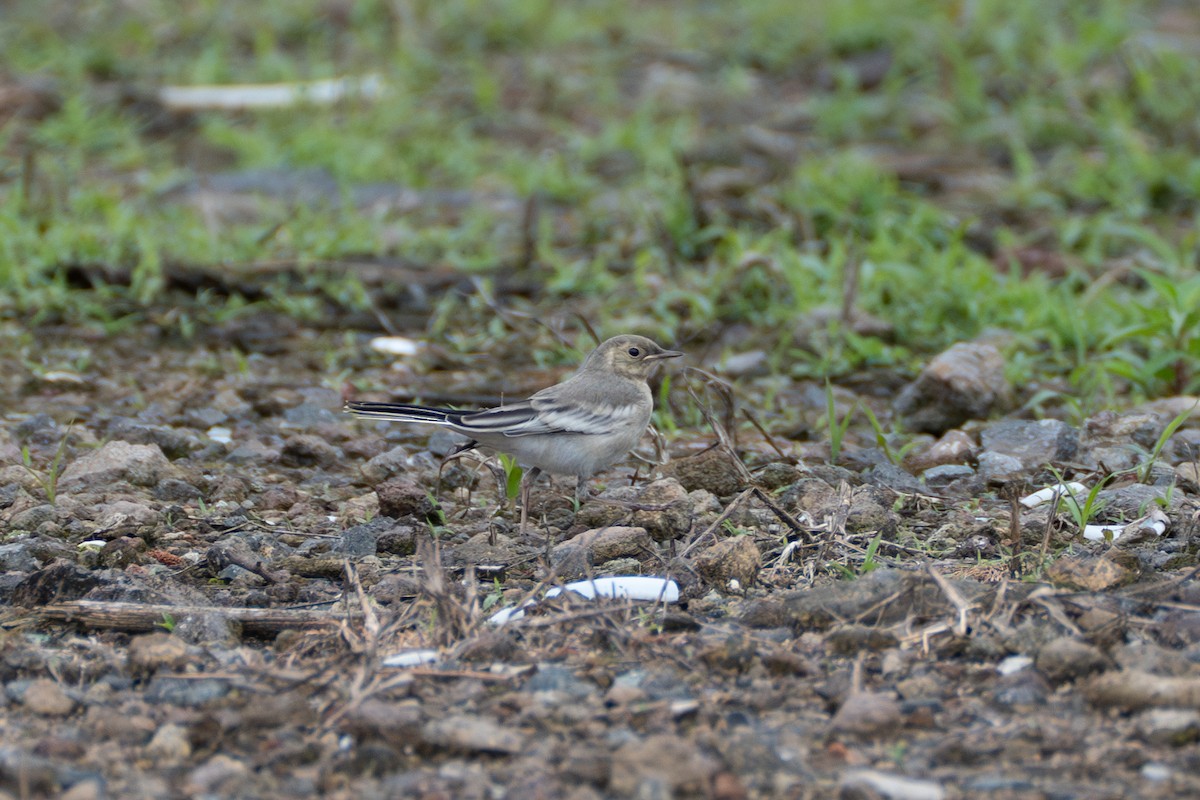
<point x="206" y="565"/>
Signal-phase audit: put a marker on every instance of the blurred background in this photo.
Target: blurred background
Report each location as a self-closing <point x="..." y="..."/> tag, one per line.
<point x="842" y="189"/>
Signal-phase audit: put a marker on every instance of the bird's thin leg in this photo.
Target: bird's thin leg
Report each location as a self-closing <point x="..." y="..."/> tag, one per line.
<point x="582" y="492"/>
<point x="526" y="486"/>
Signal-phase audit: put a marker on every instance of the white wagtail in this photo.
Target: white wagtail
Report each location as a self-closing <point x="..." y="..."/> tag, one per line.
<point x="578" y="427"/>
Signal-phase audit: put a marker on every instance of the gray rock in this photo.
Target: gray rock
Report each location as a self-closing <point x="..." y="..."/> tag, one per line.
<point x="57" y="582"/>
<point x="216" y="777"/>
<point x="868" y="714"/>
<point x="306" y="450"/>
<point x="892" y="477"/>
<point x="943" y="476"/>
<point x="139" y="464"/>
<point x="673" y="519"/>
<point x="253" y="452"/>
<point x="175" y="490"/>
<point x="320" y="407"/>
<point x="777" y="475"/>
<point x="361" y="540"/>
<point x="1170" y="726"/>
<point x="1000" y="467"/>
<point x="600" y="545"/>
<point x="182" y="692"/>
<point x="1066" y="659"/>
<point x="402" y="497"/>
<point x="32" y="518"/>
<point x="1032" y="444"/>
<point x="126" y="516"/>
<point x="561" y="679"/>
<point x="209" y="629"/>
<point x="1134" y="500"/>
<point x="472" y="734"/>
<point x="1024" y="689"/>
<point x="37" y="429"/>
<point x="963" y="383"/>
<point x="661" y="765"/>
<point x="174" y="443"/>
<point x="731" y="560"/>
<point x="16" y="557"/>
<point x="714" y="470"/>
<point x="483" y="548"/>
<point x="169" y="744"/>
<point x="385" y="465"/>
<point x="47" y="698"/>
<point x="204" y="417"/>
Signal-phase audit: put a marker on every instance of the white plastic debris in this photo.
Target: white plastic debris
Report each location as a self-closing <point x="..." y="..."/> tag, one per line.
<point x="396" y="345"/>
<point x="1098" y="533"/>
<point x="91" y="544"/>
<point x="886" y="784"/>
<point x="1053" y="493"/>
<point x="622" y="587"/>
<point x="1014" y="664"/>
<point x="271" y="95"/>
<point x="219" y="433"/>
<point x="62" y="376"/>
<point x="411" y="658"/>
<point x="1153" y="524"/>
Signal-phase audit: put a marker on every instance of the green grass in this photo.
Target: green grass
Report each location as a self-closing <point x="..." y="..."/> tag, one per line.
<point x="1067" y="133"/>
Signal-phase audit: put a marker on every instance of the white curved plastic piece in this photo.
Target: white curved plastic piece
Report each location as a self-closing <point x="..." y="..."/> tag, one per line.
<point x="506" y="615"/>
<point x="1051" y="492"/>
<point x="1153" y="523"/>
<point x="411" y="658"/>
<point x="220" y="434"/>
<point x="1098" y="533"/>
<point x="271" y="95"/>
<point x="623" y="587"/>
<point x="395" y="345"/>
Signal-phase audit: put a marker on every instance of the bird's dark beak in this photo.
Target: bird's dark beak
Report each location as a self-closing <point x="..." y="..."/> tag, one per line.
<point x="664" y="354"/>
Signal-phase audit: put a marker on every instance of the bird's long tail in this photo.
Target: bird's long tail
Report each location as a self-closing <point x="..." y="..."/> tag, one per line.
<point x="403" y="413"/>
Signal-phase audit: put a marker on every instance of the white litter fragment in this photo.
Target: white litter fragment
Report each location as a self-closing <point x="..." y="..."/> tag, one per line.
<point x="1053" y="493"/>
<point x="506" y="615"/>
<point x="411" y="658"/>
<point x="1153" y="524"/>
<point x="220" y="434"/>
<point x="396" y="345"/>
<point x="885" y="784"/>
<point x="91" y="544"/>
<point x="1014" y="664"/>
<point x="1099" y="533"/>
<point x="62" y="376"/>
<point x="622" y="587"/>
<point x="271" y="95"/>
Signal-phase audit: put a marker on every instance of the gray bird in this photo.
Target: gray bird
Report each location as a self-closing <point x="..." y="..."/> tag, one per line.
<point x="578" y="427"/>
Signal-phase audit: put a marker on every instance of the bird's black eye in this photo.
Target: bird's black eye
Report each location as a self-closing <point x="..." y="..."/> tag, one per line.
<point x="634" y="352"/>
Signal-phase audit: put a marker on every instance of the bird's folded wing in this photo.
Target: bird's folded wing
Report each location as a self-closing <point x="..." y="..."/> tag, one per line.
<point x="550" y="415"/>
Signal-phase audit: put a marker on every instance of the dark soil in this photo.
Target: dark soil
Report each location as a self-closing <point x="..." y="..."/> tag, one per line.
<point x="190" y="617"/>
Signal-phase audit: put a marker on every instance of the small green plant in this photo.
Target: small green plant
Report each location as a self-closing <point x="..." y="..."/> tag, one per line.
<point x="1083" y="514"/>
<point x="1143" y="469"/>
<point x="837" y="430"/>
<point x="48" y="480"/>
<point x="881" y="438"/>
<point x="494" y="596"/>
<point x="167" y="623"/>
<point x="512" y="476"/>
<point x="436" y="516"/>
<point x="870" y="564"/>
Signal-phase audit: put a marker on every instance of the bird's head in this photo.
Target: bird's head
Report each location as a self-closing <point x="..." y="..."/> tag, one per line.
<point x="628" y="356"/>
